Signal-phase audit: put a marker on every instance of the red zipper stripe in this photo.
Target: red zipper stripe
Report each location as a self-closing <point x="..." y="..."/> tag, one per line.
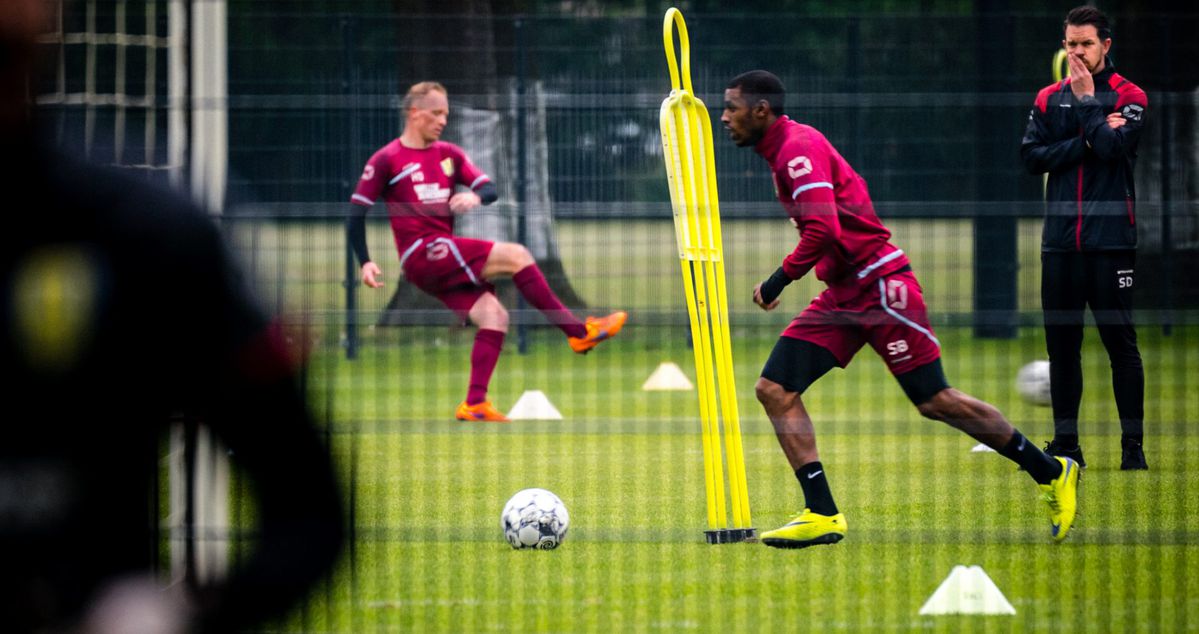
<point x="1078" y="225"/>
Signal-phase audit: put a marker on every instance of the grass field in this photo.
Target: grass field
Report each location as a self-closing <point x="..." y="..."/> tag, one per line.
<point x="426" y="492"/>
<point x="429" y="554"/>
<point x="632" y="264"/>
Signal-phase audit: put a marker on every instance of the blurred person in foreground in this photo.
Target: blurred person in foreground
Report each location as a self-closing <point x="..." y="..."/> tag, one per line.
<point x="1083" y="132"/>
<point x="416" y="175"/>
<point x="872" y="298"/>
<point x="120" y="309"/>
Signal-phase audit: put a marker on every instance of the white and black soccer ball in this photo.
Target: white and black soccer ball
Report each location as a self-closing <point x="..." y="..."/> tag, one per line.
<point x="1032" y="382"/>
<point x="535" y="518"/>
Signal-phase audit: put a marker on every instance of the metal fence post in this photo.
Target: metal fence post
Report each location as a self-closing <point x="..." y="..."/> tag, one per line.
<point x="995" y="242"/>
<point x="348" y="86"/>
<point x="522" y="181"/>
<point x="1167" y="150"/>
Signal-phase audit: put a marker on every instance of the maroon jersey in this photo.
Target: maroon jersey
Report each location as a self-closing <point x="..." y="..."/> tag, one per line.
<point x="840" y="234"/>
<point x="416" y="185"/>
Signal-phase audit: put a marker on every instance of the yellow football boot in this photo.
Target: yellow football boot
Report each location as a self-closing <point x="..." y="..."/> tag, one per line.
<point x="807" y="529"/>
<point x="1061" y="494"/>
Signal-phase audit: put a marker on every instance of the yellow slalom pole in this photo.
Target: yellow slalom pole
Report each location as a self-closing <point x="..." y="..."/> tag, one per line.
<point x="691" y="176"/>
<point x="738" y="489"/>
<point x="1060" y="68"/>
<point x="682" y="187"/>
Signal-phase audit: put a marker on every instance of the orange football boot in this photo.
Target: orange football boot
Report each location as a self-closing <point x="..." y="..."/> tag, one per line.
<point x="482" y="412"/>
<point x="598" y="329"/>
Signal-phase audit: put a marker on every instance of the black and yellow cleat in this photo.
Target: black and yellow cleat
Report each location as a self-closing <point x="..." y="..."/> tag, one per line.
<point x="1061" y="495"/>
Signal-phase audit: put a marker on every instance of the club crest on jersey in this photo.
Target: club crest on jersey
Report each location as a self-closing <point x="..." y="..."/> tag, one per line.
<point x="1132" y="112"/>
<point x="799" y="166"/>
<point x="447" y="166"/>
<point x="368" y="172"/>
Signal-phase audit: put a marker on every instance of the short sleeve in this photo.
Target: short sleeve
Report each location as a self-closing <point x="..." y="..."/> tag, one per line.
<point x="373" y="180"/>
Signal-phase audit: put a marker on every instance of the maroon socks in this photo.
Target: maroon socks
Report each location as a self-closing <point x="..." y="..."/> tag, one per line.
<point x="483" y="358"/>
<point x="532" y="285"/>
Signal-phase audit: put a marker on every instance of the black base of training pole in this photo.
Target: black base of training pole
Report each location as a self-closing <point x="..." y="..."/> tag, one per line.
<point x="730" y="535"/>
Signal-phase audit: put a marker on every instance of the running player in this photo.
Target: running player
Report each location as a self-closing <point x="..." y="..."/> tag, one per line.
<point x="872" y="297"/>
<point x="416" y="175"/>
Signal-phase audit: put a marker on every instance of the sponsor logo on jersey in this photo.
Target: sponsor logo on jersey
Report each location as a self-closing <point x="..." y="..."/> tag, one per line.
<point x="447" y="166"/>
<point x="799" y="166"/>
<point x="1132" y="112"/>
<point x="368" y="172"/>
<point x="431" y="193"/>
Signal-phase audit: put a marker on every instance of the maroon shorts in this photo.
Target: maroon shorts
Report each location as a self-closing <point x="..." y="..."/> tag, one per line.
<point x="450" y="269"/>
<point x="889" y="314"/>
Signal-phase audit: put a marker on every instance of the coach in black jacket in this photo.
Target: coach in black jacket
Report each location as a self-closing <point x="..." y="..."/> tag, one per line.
<point x="1083" y="132"/>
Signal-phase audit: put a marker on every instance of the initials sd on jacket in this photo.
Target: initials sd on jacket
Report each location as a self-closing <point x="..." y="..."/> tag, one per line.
<point x="1090" y="200"/>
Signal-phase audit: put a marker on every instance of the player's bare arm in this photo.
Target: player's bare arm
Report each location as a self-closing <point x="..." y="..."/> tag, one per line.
<point x="371" y="274"/>
<point x="463" y="202"/>
<point x="766" y="293"/>
<point x="761" y="302"/>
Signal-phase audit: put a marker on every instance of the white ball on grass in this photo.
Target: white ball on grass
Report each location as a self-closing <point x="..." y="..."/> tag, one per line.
<point x="535" y="518"/>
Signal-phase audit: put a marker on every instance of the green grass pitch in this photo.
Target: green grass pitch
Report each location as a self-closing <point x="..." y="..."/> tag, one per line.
<point x="427" y="491"/>
<point x="430" y="555"/>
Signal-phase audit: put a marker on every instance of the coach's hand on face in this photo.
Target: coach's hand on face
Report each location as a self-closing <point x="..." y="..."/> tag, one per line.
<point x="463" y="202"/>
<point x="1081" y="82"/>
<point x="371" y="274"/>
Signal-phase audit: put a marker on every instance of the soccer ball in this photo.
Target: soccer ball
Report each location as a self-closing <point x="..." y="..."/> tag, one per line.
<point x="1032" y="382"/>
<point x="535" y="518"/>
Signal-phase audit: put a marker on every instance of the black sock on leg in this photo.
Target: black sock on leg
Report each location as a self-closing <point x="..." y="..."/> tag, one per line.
<point x="815" y="488"/>
<point x="1041" y="466"/>
<point x="1066" y="441"/>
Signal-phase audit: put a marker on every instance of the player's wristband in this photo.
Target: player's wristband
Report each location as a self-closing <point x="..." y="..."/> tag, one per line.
<point x="774" y="285"/>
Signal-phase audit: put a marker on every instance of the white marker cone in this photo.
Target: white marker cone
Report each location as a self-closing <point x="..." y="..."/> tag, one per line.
<point x="534" y="405"/>
<point x="967" y="590"/>
<point x="667" y="377"/>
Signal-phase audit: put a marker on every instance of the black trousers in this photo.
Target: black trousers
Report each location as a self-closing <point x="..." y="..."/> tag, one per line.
<point x="1102" y="280"/>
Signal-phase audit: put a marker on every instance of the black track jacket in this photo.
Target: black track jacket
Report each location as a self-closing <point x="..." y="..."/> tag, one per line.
<point x="1089" y="199"/>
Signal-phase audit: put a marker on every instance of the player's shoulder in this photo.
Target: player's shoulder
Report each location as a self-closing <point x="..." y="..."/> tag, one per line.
<point x="805" y="140"/>
<point x="388" y="150"/>
<point x="448" y="149"/>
